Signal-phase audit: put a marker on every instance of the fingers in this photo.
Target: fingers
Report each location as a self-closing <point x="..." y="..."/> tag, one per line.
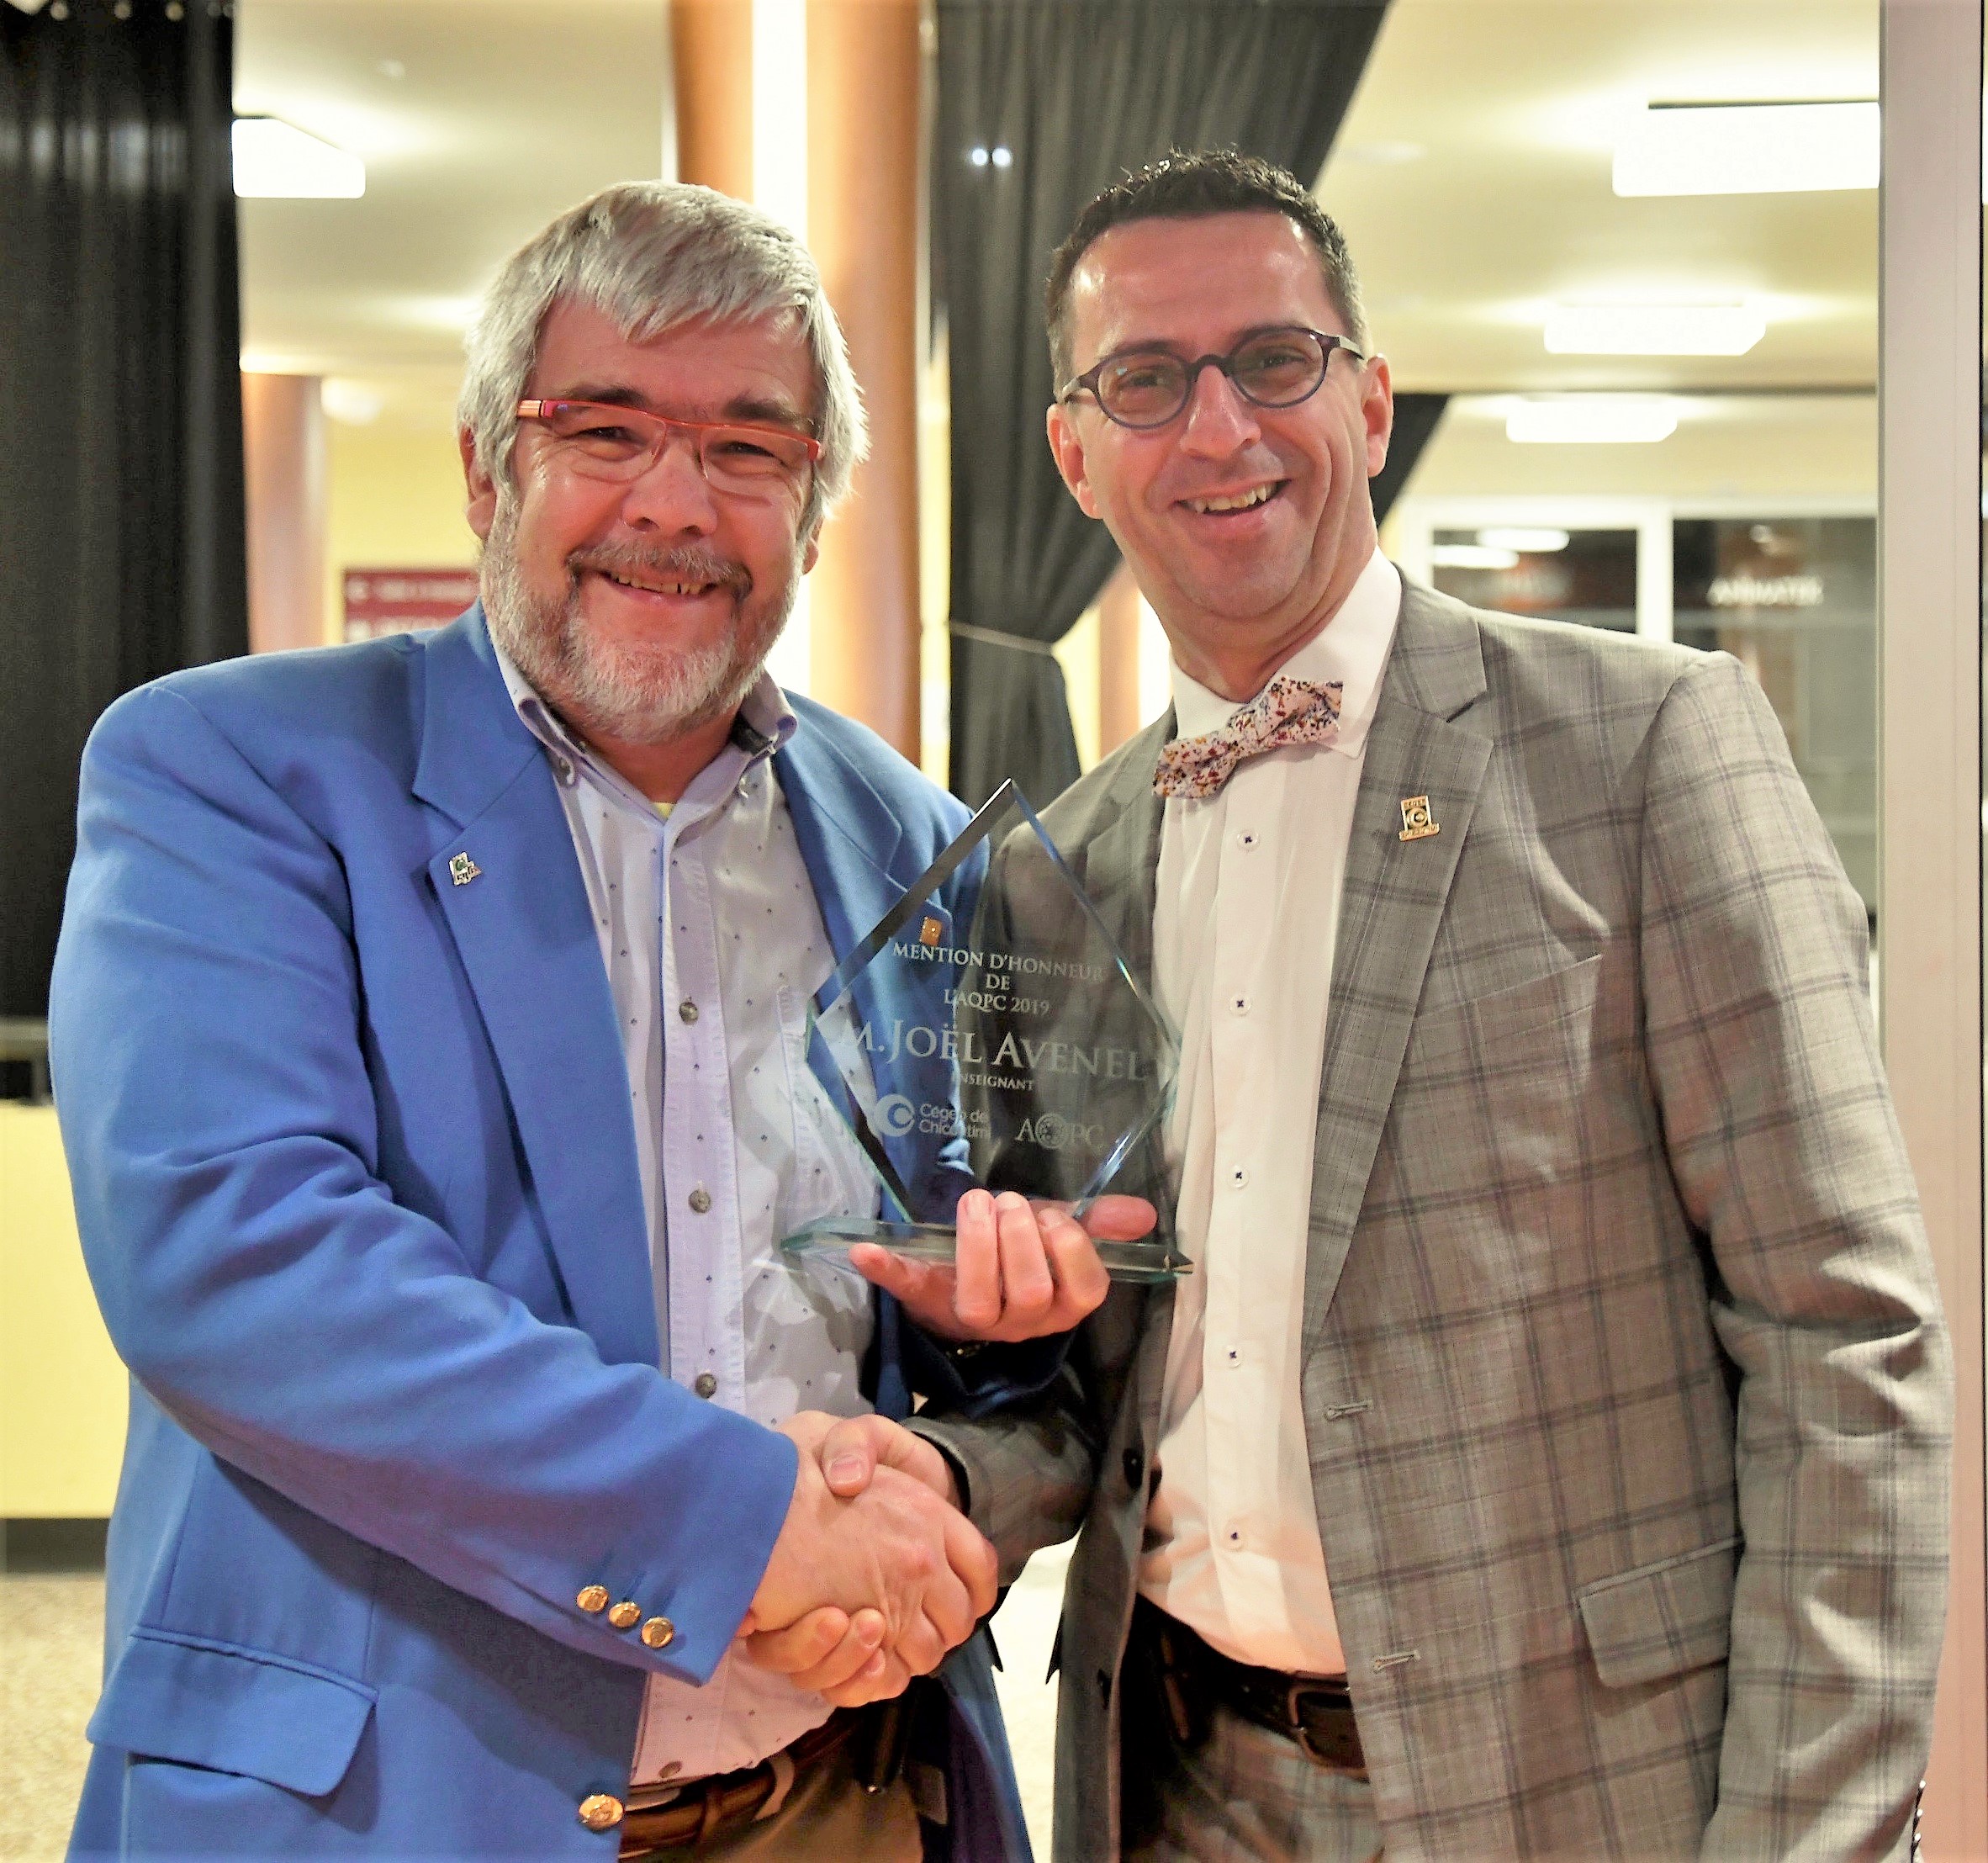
<point x="852" y="1452"/>
<point x="977" y="1267"/>
<point x="1081" y="1279"/>
<point x="886" y="1675"/>
<point x="806" y="1642"/>
<point x="976" y="1564"/>
<point x="1028" y="1287"/>
<point x="1115" y="1219"/>
<point x="858" y="1658"/>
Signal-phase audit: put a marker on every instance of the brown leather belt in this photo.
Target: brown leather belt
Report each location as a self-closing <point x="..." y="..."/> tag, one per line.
<point x="1316" y="1712"/>
<point x="694" y="1811"/>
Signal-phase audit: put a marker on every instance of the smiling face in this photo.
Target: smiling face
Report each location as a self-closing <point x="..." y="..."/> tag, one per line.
<point x="642" y="611"/>
<point x="1246" y="526"/>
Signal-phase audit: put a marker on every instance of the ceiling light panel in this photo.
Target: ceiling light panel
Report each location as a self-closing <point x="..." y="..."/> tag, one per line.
<point x="1526" y="539"/>
<point x="1592" y="421"/>
<point x="1472" y="556"/>
<point x="1748" y="148"/>
<point x="276" y="160"/>
<point x="1653" y="330"/>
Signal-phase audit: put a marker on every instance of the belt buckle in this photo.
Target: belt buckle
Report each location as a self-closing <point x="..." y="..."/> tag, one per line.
<point x="1294" y="1694"/>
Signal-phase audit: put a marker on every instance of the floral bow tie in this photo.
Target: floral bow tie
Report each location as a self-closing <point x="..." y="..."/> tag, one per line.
<point x="1285" y="711"/>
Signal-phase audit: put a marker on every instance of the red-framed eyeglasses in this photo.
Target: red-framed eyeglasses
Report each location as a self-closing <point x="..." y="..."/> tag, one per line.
<point x="603" y="440"/>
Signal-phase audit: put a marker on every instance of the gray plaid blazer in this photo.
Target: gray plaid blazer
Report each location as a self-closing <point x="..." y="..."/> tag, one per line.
<point x="1628" y="1397"/>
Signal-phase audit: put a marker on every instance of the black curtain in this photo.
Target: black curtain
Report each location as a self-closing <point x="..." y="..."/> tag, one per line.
<point x="1065" y="96"/>
<point x="121" y="529"/>
<point x="1415" y="416"/>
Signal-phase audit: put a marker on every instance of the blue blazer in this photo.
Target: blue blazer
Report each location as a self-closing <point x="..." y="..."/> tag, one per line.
<point x="356" y="1177"/>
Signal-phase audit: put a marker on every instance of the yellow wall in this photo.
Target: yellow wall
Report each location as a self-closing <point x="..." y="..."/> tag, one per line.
<point x="395" y="502"/>
<point x="63" y="1389"/>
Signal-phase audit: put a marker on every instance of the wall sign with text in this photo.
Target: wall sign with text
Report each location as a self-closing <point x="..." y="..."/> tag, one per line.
<point x="396" y="601"/>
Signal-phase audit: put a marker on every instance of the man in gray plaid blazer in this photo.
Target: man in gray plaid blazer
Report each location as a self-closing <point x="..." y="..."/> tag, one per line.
<point x="1547" y="1456"/>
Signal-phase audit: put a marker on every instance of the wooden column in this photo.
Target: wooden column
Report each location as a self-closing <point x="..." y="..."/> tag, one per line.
<point x="710" y="49"/>
<point x="283" y="430"/>
<point x="1117" y="662"/>
<point x="863" y="203"/>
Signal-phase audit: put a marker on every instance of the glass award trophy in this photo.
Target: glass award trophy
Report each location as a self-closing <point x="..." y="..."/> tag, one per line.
<point x="1018" y="1051"/>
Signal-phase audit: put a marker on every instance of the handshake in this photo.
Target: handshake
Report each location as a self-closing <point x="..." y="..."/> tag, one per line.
<point x="876" y="1573"/>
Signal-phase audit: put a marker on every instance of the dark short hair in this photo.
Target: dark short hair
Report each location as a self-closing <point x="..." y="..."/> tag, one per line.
<point x="1191" y="184"/>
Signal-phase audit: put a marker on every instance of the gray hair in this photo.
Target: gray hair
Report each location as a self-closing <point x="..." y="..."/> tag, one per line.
<point x="651" y="255"/>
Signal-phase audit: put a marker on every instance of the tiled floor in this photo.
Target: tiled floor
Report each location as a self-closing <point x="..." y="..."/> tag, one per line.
<point x="51" y="1636"/>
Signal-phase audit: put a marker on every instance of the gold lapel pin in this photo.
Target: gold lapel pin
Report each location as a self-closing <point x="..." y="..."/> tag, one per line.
<point x="462" y="870"/>
<point x="1417" y="824"/>
<point x="931" y="931"/>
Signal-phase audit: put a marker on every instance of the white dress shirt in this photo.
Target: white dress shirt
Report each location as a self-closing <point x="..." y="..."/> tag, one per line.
<point x="1245" y="918"/>
<point x="713" y="942"/>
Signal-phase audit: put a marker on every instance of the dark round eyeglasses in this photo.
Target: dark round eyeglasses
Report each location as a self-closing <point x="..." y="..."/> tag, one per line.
<point x="1274" y="368"/>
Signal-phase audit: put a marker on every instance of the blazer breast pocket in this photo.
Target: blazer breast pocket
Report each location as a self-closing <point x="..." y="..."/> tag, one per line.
<point x="1505" y="1019"/>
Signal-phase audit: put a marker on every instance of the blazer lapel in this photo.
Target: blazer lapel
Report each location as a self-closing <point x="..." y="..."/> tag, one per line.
<point x="1118" y="862"/>
<point x="1430" y="737"/>
<point x="508" y="886"/>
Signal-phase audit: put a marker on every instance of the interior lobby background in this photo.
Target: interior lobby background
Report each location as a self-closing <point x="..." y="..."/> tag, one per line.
<point x="1466" y="145"/>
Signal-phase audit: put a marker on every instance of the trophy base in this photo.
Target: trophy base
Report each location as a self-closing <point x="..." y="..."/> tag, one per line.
<point x="832" y="1237"/>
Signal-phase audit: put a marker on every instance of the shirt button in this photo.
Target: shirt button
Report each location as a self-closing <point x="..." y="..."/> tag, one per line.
<point x="1234" y="1536"/>
<point x="601" y="1812"/>
<point x="705" y="1383"/>
<point x="1239" y="1005"/>
<point x="1238" y="1177"/>
<point x="687" y="1010"/>
<point x="564" y="765"/>
<point x="1248" y="838"/>
<point x="699" y="1200"/>
<point x="1233" y="1358"/>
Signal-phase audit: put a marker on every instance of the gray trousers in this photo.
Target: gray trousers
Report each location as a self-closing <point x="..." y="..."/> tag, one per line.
<point x="1246" y="1795"/>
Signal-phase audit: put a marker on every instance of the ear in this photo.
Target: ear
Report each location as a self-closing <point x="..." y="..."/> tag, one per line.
<point x="1069" y="450"/>
<point x="810" y="550"/>
<point x="1376" y="410"/>
<point x="482" y="508"/>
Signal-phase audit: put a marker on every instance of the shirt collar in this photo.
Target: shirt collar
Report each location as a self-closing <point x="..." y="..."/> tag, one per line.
<point x="764" y="724"/>
<point x="1351" y="647"/>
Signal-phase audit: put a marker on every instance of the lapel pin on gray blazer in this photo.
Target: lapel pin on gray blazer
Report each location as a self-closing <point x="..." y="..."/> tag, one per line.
<point x="1547" y="1457"/>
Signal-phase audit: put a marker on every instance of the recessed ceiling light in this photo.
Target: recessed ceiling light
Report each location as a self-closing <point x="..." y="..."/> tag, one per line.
<point x="1748" y="148"/>
<point x="1653" y="330"/>
<point x="1592" y="420"/>
<point x="1527" y="540"/>
<point x="1383" y="155"/>
<point x="276" y="160"/>
<point x="1472" y="556"/>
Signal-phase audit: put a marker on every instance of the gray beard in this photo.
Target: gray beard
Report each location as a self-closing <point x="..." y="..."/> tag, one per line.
<point x="646" y="694"/>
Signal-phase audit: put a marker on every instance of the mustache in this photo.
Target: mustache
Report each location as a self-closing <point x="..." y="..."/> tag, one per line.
<point x="682" y="562"/>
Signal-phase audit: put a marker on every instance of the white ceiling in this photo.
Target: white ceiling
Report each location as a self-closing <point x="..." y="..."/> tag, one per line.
<point x="477" y="120"/>
<point x="1471" y="176"/>
<point x="1508" y="208"/>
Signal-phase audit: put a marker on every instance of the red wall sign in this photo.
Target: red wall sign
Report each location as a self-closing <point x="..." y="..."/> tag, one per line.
<point x="394" y="601"/>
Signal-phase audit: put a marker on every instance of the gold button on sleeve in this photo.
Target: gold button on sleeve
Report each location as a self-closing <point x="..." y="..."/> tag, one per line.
<point x="593" y="1599"/>
<point x="658" y="1632"/>
<point x="625" y="1615"/>
<point x="600" y="1813"/>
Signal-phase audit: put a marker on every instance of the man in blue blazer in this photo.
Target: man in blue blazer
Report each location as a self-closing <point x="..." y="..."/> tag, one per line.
<point x="425" y="1034"/>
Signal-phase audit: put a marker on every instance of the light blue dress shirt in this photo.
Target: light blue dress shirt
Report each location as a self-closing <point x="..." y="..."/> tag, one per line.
<point x="713" y="943"/>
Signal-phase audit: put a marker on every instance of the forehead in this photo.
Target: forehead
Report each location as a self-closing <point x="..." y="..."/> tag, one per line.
<point x="690" y="367"/>
<point x="1196" y="283"/>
